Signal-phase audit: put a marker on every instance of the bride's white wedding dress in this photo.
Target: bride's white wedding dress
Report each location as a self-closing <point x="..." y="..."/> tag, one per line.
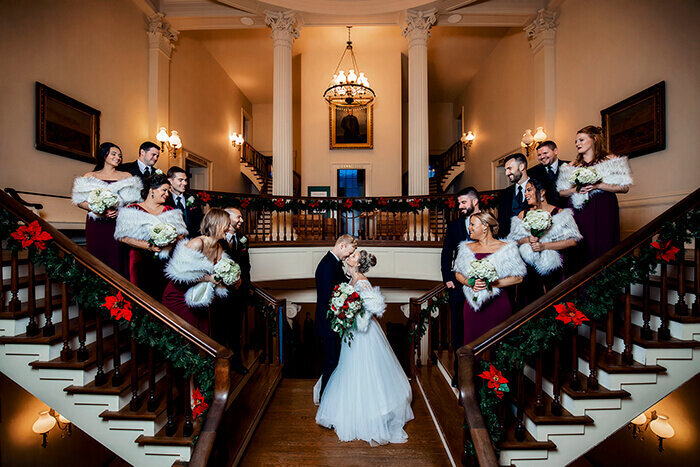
<point x="368" y="396"/>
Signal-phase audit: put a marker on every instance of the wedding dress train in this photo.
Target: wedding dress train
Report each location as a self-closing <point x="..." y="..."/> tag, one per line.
<point x="368" y="396"/>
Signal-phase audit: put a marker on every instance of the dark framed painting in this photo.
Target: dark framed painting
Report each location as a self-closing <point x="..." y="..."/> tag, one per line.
<point x="65" y="126"/>
<point x="637" y="125"/>
<point x="351" y="128"/>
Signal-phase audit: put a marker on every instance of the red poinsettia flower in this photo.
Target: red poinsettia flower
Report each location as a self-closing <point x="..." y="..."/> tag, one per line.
<point x="496" y="381"/>
<point x="414" y="203"/>
<point x="199" y="405"/>
<point x="382" y="202"/>
<point x="32" y="235"/>
<point x="450" y="202"/>
<point x="348" y="203"/>
<point x="279" y="202"/>
<point x="313" y="204"/>
<point x="667" y="252"/>
<point x="568" y="313"/>
<point x="118" y="306"/>
<point x="245" y="203"/>
<point x="204" y="196"/>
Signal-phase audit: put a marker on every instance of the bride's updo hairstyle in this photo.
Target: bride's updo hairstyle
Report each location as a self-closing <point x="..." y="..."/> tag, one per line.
<point x="366" y="261"/>
<point x="489" y="221"/>
<point x="153" y="182"/>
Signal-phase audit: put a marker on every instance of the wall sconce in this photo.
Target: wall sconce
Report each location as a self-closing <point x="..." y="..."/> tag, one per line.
<point x="49" y="419"/>
<point x="530" y="141"/>
<point x="172" y="143"/>
<point x="467" y="139"/>
<point x="237" y="140"/>
<point x="657" y="422"/>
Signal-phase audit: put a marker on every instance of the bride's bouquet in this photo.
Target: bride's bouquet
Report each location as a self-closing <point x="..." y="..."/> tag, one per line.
<point x="101" y="200"/>
<point x="484" y="270"/>
<point x="227" y="271"/>
<point x="346" y="307"/>
<point x="583" y="176"/>
<point x="537" y="222"/>
<point x="162" y="235"/>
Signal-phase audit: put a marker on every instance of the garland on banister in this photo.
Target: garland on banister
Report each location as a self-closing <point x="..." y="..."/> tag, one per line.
<point x="432" y="309"/>
<point x="91" y="292"/>
<point x="592" y="304"/>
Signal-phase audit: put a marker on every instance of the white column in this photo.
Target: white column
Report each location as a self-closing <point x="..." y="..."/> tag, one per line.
<point x="160" y="48"/>
<point x="541" y="33"/>
<point x="283" y="34"/>
<point x="417" y="31"/>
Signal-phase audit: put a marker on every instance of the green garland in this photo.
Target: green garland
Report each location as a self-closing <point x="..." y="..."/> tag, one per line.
<point x="435" y="304"/>
<point x="544" y="332"/>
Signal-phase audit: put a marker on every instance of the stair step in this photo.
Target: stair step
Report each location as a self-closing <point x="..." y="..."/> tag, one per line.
<point x="654" y="309"/>
<point x="509" y="442"/>
<point x="586" y="393"/>
<point x="74" y="364"/>
<point x="615" y="366"/>
<point x="23" y="281"/>
<point x="655" y="281"/>
<point x="22" y="256"/>
<point x="548" y="418"/>
<point x="654" y="342"/>
<point x="142" y="413"/>
<point x="107" y="388"/>
<point x="48" y="340"/>
<point x="24" y="310"/>
<point x="177" y="439"/>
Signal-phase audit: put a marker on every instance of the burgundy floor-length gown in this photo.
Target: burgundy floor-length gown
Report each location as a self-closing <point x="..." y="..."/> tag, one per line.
<point x="174" y="299"/>
<point x="99" y="236"/>
<point x="599" y="224"/>
<point x="491" y="314"/>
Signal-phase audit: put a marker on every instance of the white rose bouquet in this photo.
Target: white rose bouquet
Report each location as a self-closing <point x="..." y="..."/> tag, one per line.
<point x="537" y="221"/>
<point x="162" y="235"/>
<point x="101" y="200"/>
<point x="227" y="271"/>
<point x="345" y="308"/>
<point x="484" y="270"/>
<point x="583" y="176"/>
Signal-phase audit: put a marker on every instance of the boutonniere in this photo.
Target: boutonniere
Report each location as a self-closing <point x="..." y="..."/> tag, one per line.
<point x="243" y="240"/>
<point x="190" y="202"/>
<point x="159" y="172"/>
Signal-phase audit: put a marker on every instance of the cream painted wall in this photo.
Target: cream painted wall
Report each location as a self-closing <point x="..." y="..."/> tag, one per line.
<point x="498" y="107"/>
<point x="205" y="108"/>
<point x="378" y="50"/>
<point x="607" y="51"/>
<point x="262" y="128"/>
<point x="441" y="126"/>
<point x="93" y="51"/>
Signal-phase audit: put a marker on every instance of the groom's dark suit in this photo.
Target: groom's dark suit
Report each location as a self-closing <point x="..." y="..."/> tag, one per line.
<point x="329" y="273"/>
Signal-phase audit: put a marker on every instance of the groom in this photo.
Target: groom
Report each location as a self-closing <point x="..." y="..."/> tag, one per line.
<point x="329" y="273"/>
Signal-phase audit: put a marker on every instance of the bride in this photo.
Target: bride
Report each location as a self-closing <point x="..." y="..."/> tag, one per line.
<point x="368" y="396"/>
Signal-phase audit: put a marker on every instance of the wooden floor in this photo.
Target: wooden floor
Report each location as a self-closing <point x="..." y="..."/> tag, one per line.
<point x="288" y="435"/>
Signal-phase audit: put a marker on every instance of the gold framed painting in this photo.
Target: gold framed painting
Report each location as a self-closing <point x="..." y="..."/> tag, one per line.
<point x="351" y="128"/>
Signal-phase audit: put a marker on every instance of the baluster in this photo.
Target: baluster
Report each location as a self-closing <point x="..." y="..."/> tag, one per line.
<point x="415" y="311"/>
<point x="556" y="383"/>
<point x="49" y="328"/>
<point x="696" y="275"/>
<point x="664" y="333"/>
<point x="152" y="404"/>
<point x="117" y="376"/>
<point x="681" y="306"/>
<point x="15" y="305"/>
<point x="646" y="332"/>
<point x="187" y="428"/>
<point x="32" y="326"/>
<point x="574" y="381"/>
<point x="66" y="351"/>
<point x="429" y="332"/>
<point x="519" y="404"/>
<point x="422" y="225"/>
<point x="100" y="376"/>
<point x="539" y="398"/>
<point x="170" y="427"/>
<point x="82" y="353"/>
<point x="593" y="360"/>
<point x="627" y="328"/>
<point x="609" y="339"/>
<point x="134" y="403"/>
<point x="2" y="281"/>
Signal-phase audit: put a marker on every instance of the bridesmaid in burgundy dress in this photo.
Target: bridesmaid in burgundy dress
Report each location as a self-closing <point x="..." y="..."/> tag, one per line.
<point x="99" y="226"/>
<point x="484" y="309"/>
<point x="146" y="261"/>
<point x="595" y="206"/>
<point x="193" y="287"/>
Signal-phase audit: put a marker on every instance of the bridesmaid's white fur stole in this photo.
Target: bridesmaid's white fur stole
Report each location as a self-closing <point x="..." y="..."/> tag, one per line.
<point x="127" y="190"/>
<point x="189" y="266"/>
<point x="615" y="171"/>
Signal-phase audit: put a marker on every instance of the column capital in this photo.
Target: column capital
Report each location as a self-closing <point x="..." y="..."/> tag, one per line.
<point x="418" y="24"/>
<point x="160" y="34"/>
<point x="283" y="25"/>
<point x="541" y="29"/>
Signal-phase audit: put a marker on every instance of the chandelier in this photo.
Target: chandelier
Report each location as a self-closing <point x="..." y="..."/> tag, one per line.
<point x="349" y="91"/>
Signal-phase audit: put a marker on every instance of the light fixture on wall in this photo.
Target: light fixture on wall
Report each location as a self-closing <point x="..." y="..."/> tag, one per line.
<point x="170" y="143"/>
<point x="237" y="140"/>
<point x="657" y="422"/>
<point x="530" y="141"/>
<point x="49" y="419"/>
<point x="467" y="139"/>
<point x="352" y="90"/>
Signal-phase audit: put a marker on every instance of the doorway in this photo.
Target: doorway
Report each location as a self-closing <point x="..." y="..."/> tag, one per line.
<point x="351" y="183"/>
<point x="197" y="169"/>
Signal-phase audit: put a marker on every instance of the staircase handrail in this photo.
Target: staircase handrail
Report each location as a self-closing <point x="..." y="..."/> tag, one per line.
<point x="447" y="159"/>
<point x="415" y="305"/>
<point x="261" y="162"/>
<point x="157" y="311"/>
<point x="467" y="354"/>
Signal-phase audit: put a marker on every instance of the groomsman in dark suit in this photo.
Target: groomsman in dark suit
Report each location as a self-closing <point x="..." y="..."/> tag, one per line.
<point x="189" y="205"/>
<point x="468" y="204"/>
<point x="513" y="197"/>
<point x="229" y="312"/>
<point x="330" y="273"/>
<point x="144" y="166"/>
<point x="548" y="168"/>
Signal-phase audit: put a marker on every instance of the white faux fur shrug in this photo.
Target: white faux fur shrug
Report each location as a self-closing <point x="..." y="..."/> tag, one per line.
<point x="135" y="223"/>
<point x="615" y="171"/>
<point x="127" y="190"/>
<point x="506" y="260"/>
<point x="563" y="228"/>
<point x="189" y="266"/>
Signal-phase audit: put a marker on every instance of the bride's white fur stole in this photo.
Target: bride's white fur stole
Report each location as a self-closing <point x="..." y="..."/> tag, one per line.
<point x="563" y="228"/>
<point x="135" y="223"/>
<point x="189" y="266"/>
<point x="127" y="190"/>
<point x="373" y="303"/>
<point x="506" y="260"/>
<point x="615" y="171"/>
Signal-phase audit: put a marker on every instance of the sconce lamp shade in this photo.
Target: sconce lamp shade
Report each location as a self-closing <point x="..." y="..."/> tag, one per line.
<point x="162" y="135"/>
<point x="470" y="136"/>
<point x="63" y="419"/>
<point x="174" y="140"/>
<point x="640" y="419"/>
<point x="539" y="135"/>
<point x="44" y="423"/>
<point x="661" y="427"/>
<point x="527" y="138"/>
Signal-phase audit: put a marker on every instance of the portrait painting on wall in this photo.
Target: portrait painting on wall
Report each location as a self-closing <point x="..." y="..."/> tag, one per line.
<point x="351" y="128"/>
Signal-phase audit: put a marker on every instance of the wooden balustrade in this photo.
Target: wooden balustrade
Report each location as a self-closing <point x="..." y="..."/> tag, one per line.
<point x="416" y="322"/>
<point x="273" y="340"/>
<point x="443" y="162"/>
<point x="260" y="162"/>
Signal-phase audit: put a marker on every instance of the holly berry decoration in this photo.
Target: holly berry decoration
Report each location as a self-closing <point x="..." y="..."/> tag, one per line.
<point x="199" y="405"/>
<point x="32" y="234"/>
<point x="568" y="313"/>
<point x="496" y="381"/>
<point x="666" y="251"/>
<point x="118" y="306"/>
